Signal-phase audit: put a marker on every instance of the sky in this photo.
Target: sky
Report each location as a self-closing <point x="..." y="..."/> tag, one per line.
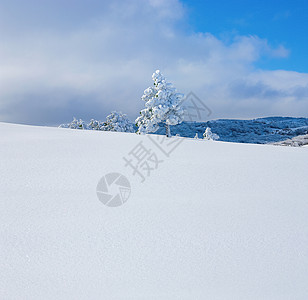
<point x="86" y="58"/>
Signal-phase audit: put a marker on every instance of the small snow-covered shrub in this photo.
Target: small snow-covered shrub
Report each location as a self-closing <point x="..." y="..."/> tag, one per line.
<point x="209" y="135"/>
<point x="95" y="125"/>
<point x="117" y="121"/>
<point x="75" y="124"/>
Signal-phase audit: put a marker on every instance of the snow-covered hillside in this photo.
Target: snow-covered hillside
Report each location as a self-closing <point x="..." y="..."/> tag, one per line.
<point x="257" y="131"/>
<point x="215" y="220"/>
<point x="298" y="141"/>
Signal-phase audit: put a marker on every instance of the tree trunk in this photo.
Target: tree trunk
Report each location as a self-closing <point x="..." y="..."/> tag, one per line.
<point x="168" y="134"/>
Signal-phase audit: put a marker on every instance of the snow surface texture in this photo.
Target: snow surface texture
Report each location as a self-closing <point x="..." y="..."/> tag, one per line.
<point x="215" y="220"/>
<point x="258" y="131"/>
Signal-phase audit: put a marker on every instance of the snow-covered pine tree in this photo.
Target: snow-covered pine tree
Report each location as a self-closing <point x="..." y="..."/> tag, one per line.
<point x="117" y="121"/>
<point x="162" y="105"/>
<point x="75" y="124"/>
<point x="209" y="135"/>
<point x="95" y="125"/>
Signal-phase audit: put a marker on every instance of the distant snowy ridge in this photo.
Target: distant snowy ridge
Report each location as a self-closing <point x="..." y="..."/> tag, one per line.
<point x="301" y="140"/>
<point x="256" y="131"/>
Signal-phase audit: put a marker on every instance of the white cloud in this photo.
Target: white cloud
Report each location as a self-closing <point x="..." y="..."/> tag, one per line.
<point x="53" y="73"/>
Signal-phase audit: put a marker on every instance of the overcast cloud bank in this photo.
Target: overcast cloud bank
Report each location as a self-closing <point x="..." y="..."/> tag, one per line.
<point x="85" y="60"/>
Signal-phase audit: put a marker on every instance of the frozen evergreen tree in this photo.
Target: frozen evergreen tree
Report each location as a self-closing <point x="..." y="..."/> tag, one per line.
<point x="162" y="105"/>
<point x="75" y="124"/>
<point x="95" y="125"/>
<point x="117" y="121"/>
<point x="209" y="135"/>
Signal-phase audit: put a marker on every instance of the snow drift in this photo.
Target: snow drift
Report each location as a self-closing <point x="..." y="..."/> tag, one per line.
<point x="215" y="220"/>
